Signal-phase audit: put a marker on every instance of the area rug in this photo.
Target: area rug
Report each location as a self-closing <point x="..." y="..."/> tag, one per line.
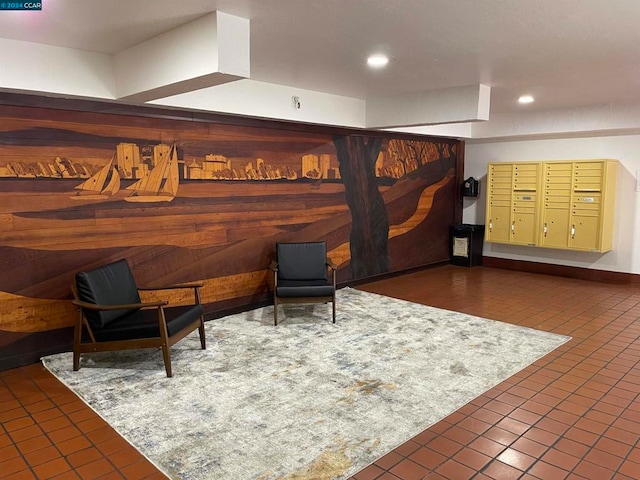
<point x="306" y="399"/>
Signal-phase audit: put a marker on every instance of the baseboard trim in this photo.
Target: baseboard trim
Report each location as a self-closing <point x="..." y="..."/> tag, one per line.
<point x="32" y="348"/>
<point x="589" y="274"/>
<point x="395" y="273"/>
<point x="223" y="312"/>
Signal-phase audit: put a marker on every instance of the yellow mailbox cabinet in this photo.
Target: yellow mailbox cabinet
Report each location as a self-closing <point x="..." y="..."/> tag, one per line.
<point x="592" y="201"/>
<point x="555" y="204"/>
<point x="512" y="203"/>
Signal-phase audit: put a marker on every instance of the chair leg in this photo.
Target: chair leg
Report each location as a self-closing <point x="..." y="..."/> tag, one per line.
<point x="164" y="335"/>
<point x="275" y="310"/>
<point x="76" y="359"/>
<point x="77" y="338"/>
<point x="333" y="303"/>
<point x="166" y="354"/>
<point x="203" y="340"/>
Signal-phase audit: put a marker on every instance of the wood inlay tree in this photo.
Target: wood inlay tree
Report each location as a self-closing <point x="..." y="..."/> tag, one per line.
<point x="370" y="224"/>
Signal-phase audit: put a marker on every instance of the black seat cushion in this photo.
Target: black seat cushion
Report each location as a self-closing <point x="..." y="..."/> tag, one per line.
<point x="111" y="284"/>
<point x="144" y="323"/>
<point x="301" y="261"/>
<point x="304" y="288"/>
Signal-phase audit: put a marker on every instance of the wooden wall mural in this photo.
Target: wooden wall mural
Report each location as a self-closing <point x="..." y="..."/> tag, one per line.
<point x="187" y="200"/>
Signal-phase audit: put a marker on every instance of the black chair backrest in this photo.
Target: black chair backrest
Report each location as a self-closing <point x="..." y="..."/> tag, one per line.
<point x="302" y="261"/>
<point x="111" y="284"/>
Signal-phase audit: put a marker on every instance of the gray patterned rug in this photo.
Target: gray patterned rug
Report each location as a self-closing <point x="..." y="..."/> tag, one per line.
<point x="307" y="399"/>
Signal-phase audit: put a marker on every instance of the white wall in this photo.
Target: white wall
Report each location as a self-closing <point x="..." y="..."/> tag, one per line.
<point x="267" y="100"/>
<point x="44" y="68"/>
<point x="35" y="68"/>
<point x="625" y="256"/>
<point x="561" y="122"/>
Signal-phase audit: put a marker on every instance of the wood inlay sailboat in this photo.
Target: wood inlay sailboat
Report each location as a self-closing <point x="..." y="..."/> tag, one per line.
<point x="160" y="184"/>
<point x="94" y="188"/>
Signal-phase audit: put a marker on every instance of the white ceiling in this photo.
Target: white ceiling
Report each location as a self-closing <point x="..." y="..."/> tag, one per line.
<point x="567" y="53"/>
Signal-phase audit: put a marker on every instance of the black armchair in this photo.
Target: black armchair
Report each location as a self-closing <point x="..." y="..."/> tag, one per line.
<point x="301" y="275"/>
<point x="111" y="315"/>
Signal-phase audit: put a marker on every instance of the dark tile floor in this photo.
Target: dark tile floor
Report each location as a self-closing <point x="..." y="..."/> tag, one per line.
<point x="575" y="414"/>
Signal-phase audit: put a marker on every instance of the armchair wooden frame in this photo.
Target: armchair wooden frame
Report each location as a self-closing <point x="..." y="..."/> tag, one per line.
<point x="164" y="341"/>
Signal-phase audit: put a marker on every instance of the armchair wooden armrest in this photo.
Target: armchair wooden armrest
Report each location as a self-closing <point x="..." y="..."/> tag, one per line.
<point x="176" y="286"/>
<point x="273" y="265"/>
<point x="331" y="265"/>
<point x="130" y="306"/>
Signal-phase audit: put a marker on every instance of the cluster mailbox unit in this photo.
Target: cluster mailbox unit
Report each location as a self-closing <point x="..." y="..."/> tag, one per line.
<point x="555" y="204"/>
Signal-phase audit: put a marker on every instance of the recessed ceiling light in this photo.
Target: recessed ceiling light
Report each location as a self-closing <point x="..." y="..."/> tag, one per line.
<point x="377" y="61"/>
<point x="525" y="99"/>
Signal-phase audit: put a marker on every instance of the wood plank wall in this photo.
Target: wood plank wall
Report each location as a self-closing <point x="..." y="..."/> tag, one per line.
<point x="240" y="186"/>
